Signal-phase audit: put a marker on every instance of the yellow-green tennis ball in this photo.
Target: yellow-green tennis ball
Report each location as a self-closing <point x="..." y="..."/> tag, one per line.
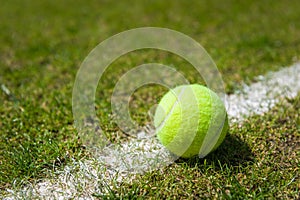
<point x="191" y="120"/>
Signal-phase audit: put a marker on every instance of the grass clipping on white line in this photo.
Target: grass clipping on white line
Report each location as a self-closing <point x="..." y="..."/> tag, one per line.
<point x="83" y="179"/>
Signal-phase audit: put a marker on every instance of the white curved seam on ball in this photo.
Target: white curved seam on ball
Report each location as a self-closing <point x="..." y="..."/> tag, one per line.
<point x="204" y="150"/>
<point x="212" y="142"/>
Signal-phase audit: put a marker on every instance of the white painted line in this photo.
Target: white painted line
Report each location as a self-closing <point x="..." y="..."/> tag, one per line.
<point x="84" y="178"/>
<point x="260" y="97"/>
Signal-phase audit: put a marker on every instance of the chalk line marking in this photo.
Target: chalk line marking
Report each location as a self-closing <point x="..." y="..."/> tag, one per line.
<point x="84" y="178"/>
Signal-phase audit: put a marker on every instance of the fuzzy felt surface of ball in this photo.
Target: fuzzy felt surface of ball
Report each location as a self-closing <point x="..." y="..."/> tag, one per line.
<point x="191" y="120"/>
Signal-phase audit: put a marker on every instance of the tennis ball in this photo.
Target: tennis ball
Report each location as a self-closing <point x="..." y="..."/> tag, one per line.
<point x="191" y="120"/>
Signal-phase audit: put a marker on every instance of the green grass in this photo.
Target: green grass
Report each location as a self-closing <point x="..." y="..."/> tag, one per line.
<point x="44" y="42"/>
<point x="258" y="160"/>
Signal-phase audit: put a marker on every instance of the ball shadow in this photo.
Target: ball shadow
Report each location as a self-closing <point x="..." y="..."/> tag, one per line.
<point x="232" y="152"/>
